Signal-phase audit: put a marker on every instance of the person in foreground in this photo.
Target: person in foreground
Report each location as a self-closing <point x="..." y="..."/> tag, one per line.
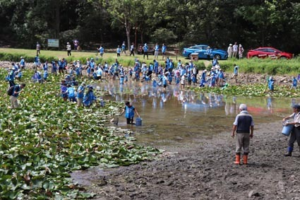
<point x="243" y="128"/>
<point x="129" y="111"/>
<point x="295" y="134"/>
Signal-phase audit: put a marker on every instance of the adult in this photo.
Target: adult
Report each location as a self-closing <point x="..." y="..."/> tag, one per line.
<point x="69" y="49"/>
<point x="16" y="92"/>
<point x="295" y="134"/>
<point x="118" y="51"/>
<point x="145" y="49"/>
<point x="235" y="50"/>
<point x="156" y="51"/>
<point x="243" y="127"/>
<point x="163" y="51"/>
<point x="124" y="48"/>
<point x="75" y="43"/>
<point x="241" y="51"/>
<point x="229" y="51"/>
<point x="129" y="111"/>
<point x="101" y="51"/>
<point x="132" y="49"/>
<point x="38" y="48"/>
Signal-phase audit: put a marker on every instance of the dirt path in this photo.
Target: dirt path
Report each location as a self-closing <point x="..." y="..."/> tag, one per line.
<point x="207" y="172"/>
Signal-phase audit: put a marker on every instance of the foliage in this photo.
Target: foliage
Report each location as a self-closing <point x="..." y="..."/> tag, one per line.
<point x="163" y="35"/>
<point x="249" y="22"/>
<point x="47" y="138"/>
<point x="255" y="90"/>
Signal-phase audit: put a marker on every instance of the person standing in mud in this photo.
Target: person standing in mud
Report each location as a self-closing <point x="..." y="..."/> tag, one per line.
<point x="129" y="111"/>
<point x="295" y="134"/>
<point x="243" y="127"/>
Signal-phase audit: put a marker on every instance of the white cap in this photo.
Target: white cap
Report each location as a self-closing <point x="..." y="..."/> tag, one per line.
<point x="243" y="107"/>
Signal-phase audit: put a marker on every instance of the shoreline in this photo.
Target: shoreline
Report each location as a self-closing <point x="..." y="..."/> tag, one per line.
<point x="208" y="172"/>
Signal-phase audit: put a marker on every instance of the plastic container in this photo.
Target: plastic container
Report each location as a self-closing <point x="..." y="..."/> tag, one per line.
<point x="287" y="129"/>
<point x="138" y="121"/>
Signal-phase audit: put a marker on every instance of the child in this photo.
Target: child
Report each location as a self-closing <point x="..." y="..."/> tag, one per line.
<point x="129" y="111"/>
<point x="182" y="82"/>
<point x="295" y="83"/>
<point x="118" y="51"/>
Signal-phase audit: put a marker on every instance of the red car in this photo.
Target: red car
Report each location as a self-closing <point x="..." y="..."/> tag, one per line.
<point x="269" y="52"/>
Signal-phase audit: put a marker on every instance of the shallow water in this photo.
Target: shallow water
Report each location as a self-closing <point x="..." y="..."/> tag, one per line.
<point x="174" y="119"/>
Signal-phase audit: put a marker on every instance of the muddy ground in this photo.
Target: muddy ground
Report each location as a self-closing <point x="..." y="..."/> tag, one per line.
<point x="206" y="171"/>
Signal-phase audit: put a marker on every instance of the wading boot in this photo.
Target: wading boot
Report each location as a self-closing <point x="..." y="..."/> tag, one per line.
<point x="237" y="159"/>
<point x="245" y="159"/>
<point x="289" y="153"/>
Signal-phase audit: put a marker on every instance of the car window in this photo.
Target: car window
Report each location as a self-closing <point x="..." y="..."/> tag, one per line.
<point x="271" y="50"/>
<point x="262" y="49"/>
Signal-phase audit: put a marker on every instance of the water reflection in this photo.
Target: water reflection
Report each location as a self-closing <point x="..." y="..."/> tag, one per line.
<point x="171" y="113"/>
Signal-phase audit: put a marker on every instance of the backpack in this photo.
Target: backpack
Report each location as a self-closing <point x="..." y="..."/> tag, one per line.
<point x="10" y="91"/>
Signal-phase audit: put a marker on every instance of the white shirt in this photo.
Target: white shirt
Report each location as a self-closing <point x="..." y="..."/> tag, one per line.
<point x="235" y="48"/>
<point x="183" y="80"/>
<point x="68" y="47"/>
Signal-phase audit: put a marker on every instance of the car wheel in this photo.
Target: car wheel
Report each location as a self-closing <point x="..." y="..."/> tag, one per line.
<point x="189" y="56"/>
<point x="218" y="57"/>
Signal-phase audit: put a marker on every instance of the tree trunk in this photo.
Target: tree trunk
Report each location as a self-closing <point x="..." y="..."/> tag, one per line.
<point x="127" y="27"/>
<point x="57" y="18"/>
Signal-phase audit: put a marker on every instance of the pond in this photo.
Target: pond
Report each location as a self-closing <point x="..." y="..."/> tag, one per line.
<point x="173" y="118"/>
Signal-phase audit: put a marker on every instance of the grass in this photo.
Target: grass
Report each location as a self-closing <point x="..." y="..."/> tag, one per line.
<point x="259" y="66"/>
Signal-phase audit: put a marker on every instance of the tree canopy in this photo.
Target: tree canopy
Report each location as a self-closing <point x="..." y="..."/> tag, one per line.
<point x="110" y="22"/>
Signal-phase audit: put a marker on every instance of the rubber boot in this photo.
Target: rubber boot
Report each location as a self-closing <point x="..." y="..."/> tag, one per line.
<point x="237" y="159"/>
<point x="289" y="153"/>
<point x="245" y="159"/>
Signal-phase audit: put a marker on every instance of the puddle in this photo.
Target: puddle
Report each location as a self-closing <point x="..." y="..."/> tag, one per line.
<point x="175" y="119"/>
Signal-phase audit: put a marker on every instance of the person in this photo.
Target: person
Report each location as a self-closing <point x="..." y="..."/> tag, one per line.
<point x="145" y="49"/>
<point x="11" y="77"/>
<point x="22" y="63"/>
<point x="229" y="51"/>
<point x="101" y="51"/>
<point x="75" y="43"/>
<point x="36" y="61"/>
<point x="182" y="82"/>
<point x="163" y="51"/>
<point x="118" y="51"/>
<point x="71" y="93"/>
<point x="235" y="72"/>
<point x="132" y="49"/>
<point x="129" y="111"/>
<point x="295" y="134"/>
<point x="203" y="78"/>
<point x="80" y="94"/>
<point x="156" y="50"/>
<point x="243" y="127"/>
<point x="63" y="89"/>
<point x="69" y="49"/>
<point x="294" y="83"/>
<point x="241" y="51"/>
<point x="38" y="48"/>
<point x="271" y="82"/>
<point x="16" y="92"/>
<point x="124" y="48"/>
<point x="235" y="50"/>
<point x="89" y="97"/>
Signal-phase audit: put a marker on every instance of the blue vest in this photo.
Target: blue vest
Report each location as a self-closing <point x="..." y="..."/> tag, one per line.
<point x="129" y="112"/>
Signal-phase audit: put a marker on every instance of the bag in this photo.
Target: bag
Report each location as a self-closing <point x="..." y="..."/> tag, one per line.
<point x="10" y="90"/>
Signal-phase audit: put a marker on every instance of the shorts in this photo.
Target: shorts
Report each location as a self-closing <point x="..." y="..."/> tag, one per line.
<point x="129" y="120"/>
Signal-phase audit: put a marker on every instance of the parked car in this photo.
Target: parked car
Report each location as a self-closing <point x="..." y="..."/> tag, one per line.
<point x="268" y="52"/>
<point x="140" y="50"/>
<point x="205" y="53"/>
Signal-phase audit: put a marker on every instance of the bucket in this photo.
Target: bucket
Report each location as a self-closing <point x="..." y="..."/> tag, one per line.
<point x="287" y="129"/>
<point x="138" y="121"/>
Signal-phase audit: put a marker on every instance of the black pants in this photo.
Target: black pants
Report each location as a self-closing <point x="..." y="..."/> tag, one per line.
<point x="132" y="52"/>
<point x="295" y="136"/>
<point x="129" y="120"/>
<point x="69" y="52"/>
<point x="11" y="83"/>
<point x="146" y="54"/>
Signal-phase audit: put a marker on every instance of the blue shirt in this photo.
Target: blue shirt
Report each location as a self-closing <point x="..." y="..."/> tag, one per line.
<point x="71" y="92"/>
<point x="80" y="92"/>
<point x="164" y="48"/>
<point x="145" y="48"/>
<point x="101" y="50"/>
<point x="118" y="50"/>
<point x="236" y="70"/>
<point x="156" y="47"/>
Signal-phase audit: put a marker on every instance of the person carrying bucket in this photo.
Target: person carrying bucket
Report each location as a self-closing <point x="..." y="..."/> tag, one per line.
<point x="295" y="134"/>
<point x="243" y="126"/>
<point x="129" y="111"/>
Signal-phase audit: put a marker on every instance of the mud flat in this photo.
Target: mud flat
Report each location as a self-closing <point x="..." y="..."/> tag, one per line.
<point x="206" y="172"/>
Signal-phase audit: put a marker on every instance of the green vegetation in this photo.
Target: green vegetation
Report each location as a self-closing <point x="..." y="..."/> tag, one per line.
<point x="47" y="138"/>
<point x="110" y="22"/>
<point x="255" y="90"/>
<point x="263" y="66"/>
